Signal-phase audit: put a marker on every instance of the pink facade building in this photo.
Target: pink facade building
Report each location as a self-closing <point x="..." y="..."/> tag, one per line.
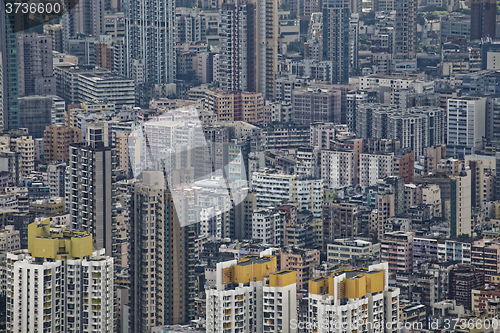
<point x="397" y="250"/>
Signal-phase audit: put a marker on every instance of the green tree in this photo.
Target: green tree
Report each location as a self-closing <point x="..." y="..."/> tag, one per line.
<point x="365" y="42"/>
<point x="420" y="18"/>
<point x="368" y="18"/>
<point x="465" y="11"/>
<point x="431" y="16"/>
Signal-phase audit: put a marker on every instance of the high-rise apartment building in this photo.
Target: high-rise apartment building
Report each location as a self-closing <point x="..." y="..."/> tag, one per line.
<point x="150" y="43"/>
<point x="397" y="250"/>
<point x="340" y="220"/>
<point x="122" y="150"/>
<point x="301" y="261"/>
<point x="250" y="295"/>
<point x="249" y="47"/>
<point x="235" y="106"/>
<point x="86" y="18"/>
<point x="86" y="83"/>
<point x="266" y="36"/>
<point x="354" y="99"/>
<point x="273" y="188"/>
<point x="22" y="145"/>
<point x="8" y="52"/>
<point x="2" y="77"/>
<point x="483" y="256"/>
<point x="59" y="284"/>
<point x="383" y="5"/>
<point x="56" y="179"/>
<point x="460" y="204"/>
<point x="405" y="30"/>
<point x="346" y="250"/>
<point x="483" y="19"/>
<point x="237" y="69"/>
<point x="35" y="65"/>
<point x="161" y="257"/>
<point x="357" y="300"/>
<point x="191" y="26"/>
<point x="319" y="104"/>
<point x="55" y="31"/>
<point x="9" y="242"/>
<point x="35" y="114"/>
<point x="91" y="189"/>
<point x="416" y="128"/>
<point x="483" y="170"/>
<point x="353" y="43"/>
<point x="56" y="141"/>
<point x="338" y="168"/>
<point x="466" y="125"/>
<point x="432" y="156"/>
<point x="373" y="167"/>
<point x="429" y="194"/>
<point x="267" y="226"/>
<point x="463" y="280"/>
<point x="336" y="16"/>
<point x="386" y="209"/>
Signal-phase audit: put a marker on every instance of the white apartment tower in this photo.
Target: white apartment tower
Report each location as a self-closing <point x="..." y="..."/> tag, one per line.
<point x="250" y="295"/>
<point x="150" y="40"/>
<point x="466" y="125"/>
<point x="351" y="301"/>
<point x="267" y="225"/>
<point x="373" y="167"/>
<point x="59" y="289"/>
<point x="273" y="188"/>
<point x="338" y="168"/>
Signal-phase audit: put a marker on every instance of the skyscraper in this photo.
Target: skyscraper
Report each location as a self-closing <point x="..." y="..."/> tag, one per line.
<point x="266" y="36"/>
<point x="360" y="296"/>
<point x="59" y="284"/>
<point x="150" y="41"/>
<point x="483" y="19"/>
<point x="35" y="65"/>
<point x="238" y="302"/>
<point x="466" y="125"/>
<point x="86" y="18"/>
<point x="1" y="92"/>
<point x="460" y="202"/>
<point x="161" y="267"/>
<point x="406" y="29"/>
<point x="237" y="44"/>
<point x="55" y="31"/>
<point x="90" y="186"/>
<point x="249" y="46"/>
<point x="8" y="51"/>
<point x="353" y="45"/>
<point x="336" y="16"/>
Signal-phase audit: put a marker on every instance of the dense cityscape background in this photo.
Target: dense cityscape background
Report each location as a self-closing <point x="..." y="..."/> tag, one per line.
<point x="250" y="166"/>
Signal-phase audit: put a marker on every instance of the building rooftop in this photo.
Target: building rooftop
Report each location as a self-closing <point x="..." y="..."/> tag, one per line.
<point x="351" y="242"/>
<point x="413" y="307"/>
<point x="254" y="259"/>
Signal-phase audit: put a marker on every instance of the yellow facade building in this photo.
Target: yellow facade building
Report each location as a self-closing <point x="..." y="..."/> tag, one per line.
<point x="354" y="301"/>
<point x="250" y="295"/>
